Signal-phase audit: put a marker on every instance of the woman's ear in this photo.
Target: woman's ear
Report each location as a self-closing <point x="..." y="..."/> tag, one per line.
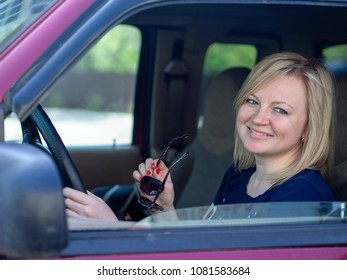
<point x="304" y="135"/>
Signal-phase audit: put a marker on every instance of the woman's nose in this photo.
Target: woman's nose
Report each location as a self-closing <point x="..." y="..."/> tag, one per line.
<point x="261" y="116"/>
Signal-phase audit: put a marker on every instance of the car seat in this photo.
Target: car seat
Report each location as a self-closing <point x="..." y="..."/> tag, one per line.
<point x="338" y="174"/>
<point x="197" y="178"/>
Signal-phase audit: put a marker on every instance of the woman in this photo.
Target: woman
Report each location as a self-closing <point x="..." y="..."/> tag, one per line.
<point x="283" y="141"/>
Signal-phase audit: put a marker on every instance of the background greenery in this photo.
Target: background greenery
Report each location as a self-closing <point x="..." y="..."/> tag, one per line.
<point x="118" y="52"/>
<point x="105" y="78"/>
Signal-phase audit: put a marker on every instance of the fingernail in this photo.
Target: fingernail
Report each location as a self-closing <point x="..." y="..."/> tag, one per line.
<point x="153" y="163"/>
<point x="149" y="172"/>
<point x="157" y="170"/>
<point x="140" y="178"/>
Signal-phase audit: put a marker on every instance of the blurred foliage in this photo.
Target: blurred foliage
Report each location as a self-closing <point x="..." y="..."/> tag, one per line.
<point x="223" y="56"/>
<point x="335" y="57"/>
<point x="105" y="77"/>
<point x="118" y="52"/>
<point x="335" y="53"/>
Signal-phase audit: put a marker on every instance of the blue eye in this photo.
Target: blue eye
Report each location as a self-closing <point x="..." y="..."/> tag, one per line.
<point x="281" y="111"/>
<point x="251" y="101"/>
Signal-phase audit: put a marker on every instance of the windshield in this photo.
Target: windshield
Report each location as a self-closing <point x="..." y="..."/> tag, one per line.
<point x="18" y="15"/>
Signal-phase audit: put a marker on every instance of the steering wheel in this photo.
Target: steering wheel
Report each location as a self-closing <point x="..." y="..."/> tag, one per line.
<point x="39" y="121"/>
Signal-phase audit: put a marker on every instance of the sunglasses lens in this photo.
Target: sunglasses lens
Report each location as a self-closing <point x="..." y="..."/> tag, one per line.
<point x="154" y="187"/>
<point x="150" y="185"/>
<point x="144" y="201"/>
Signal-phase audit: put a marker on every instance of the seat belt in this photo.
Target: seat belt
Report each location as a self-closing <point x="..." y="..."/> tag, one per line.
<point x="175" y="76"/>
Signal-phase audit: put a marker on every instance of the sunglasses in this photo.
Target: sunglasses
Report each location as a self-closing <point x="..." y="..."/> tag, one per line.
<point x="154" y="187"/>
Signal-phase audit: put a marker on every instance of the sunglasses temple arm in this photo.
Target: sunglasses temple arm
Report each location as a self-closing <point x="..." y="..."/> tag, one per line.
<point x="162" y="155"/>
<point x="166" y="176"/>
<point x="168" y="172"/>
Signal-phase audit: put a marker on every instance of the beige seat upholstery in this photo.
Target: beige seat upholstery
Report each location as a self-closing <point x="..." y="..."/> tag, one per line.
<point x="197" y="179"/>
<point x="338" y="178"/>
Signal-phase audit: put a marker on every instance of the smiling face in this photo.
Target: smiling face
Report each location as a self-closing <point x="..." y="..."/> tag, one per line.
<point x="272" y="120"/>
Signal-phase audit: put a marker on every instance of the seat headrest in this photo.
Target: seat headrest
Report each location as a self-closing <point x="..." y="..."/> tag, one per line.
<point x="218" y="128"/>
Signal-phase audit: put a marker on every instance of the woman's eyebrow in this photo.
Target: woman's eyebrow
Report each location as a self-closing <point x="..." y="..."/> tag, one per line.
<point x="273" y="103"/>
<point x="282" y="102"/>
<point x="253" y="95"/>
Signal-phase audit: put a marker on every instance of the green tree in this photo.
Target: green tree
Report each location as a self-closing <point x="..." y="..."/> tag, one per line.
<point x="222" y="56"/>
<point x="118" y="51"/>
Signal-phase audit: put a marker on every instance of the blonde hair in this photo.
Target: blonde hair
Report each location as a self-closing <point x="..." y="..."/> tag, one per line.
<point x="317" y="148"/>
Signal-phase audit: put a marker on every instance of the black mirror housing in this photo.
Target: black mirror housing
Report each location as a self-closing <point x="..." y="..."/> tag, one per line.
<point x="33" y="222"/>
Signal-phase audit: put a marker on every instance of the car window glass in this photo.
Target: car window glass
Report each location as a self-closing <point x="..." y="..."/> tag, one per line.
<point x="335" y="58"/>
<point x="93" y="104"/>
<point x="13" y="131"/>
<point x="249" y="214"/>
<point x="256" y="214"/>
<point x="17" y="15"/>
<point x="223" y="56"/>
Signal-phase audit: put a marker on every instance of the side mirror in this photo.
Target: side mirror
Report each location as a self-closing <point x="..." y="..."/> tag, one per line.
<point x="33" y="222"/>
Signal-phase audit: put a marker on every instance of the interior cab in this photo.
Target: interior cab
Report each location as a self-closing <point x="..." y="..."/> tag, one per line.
<point x="119" y="79"/>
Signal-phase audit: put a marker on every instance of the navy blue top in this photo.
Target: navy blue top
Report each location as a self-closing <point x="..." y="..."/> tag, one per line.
<point x="307" y="185"/>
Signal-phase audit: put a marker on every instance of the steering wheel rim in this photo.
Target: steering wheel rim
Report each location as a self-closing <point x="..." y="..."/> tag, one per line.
<point x="39" y="120"/>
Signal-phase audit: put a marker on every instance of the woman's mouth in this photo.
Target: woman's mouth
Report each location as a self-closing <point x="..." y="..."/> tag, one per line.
<point x="259" y="133"/>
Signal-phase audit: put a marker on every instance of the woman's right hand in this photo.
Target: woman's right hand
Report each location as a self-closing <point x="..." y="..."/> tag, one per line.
<point x="148" y="168"/>
<point x="79" y="204"/>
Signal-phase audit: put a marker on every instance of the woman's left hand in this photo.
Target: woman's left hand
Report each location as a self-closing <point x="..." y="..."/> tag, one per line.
<point x="150" y="168"/>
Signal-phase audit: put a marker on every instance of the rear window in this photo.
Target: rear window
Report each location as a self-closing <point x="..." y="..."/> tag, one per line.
<point x="335" y="57"/>
<point x="18" y="15"/>
<point x="221" y="56"/>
